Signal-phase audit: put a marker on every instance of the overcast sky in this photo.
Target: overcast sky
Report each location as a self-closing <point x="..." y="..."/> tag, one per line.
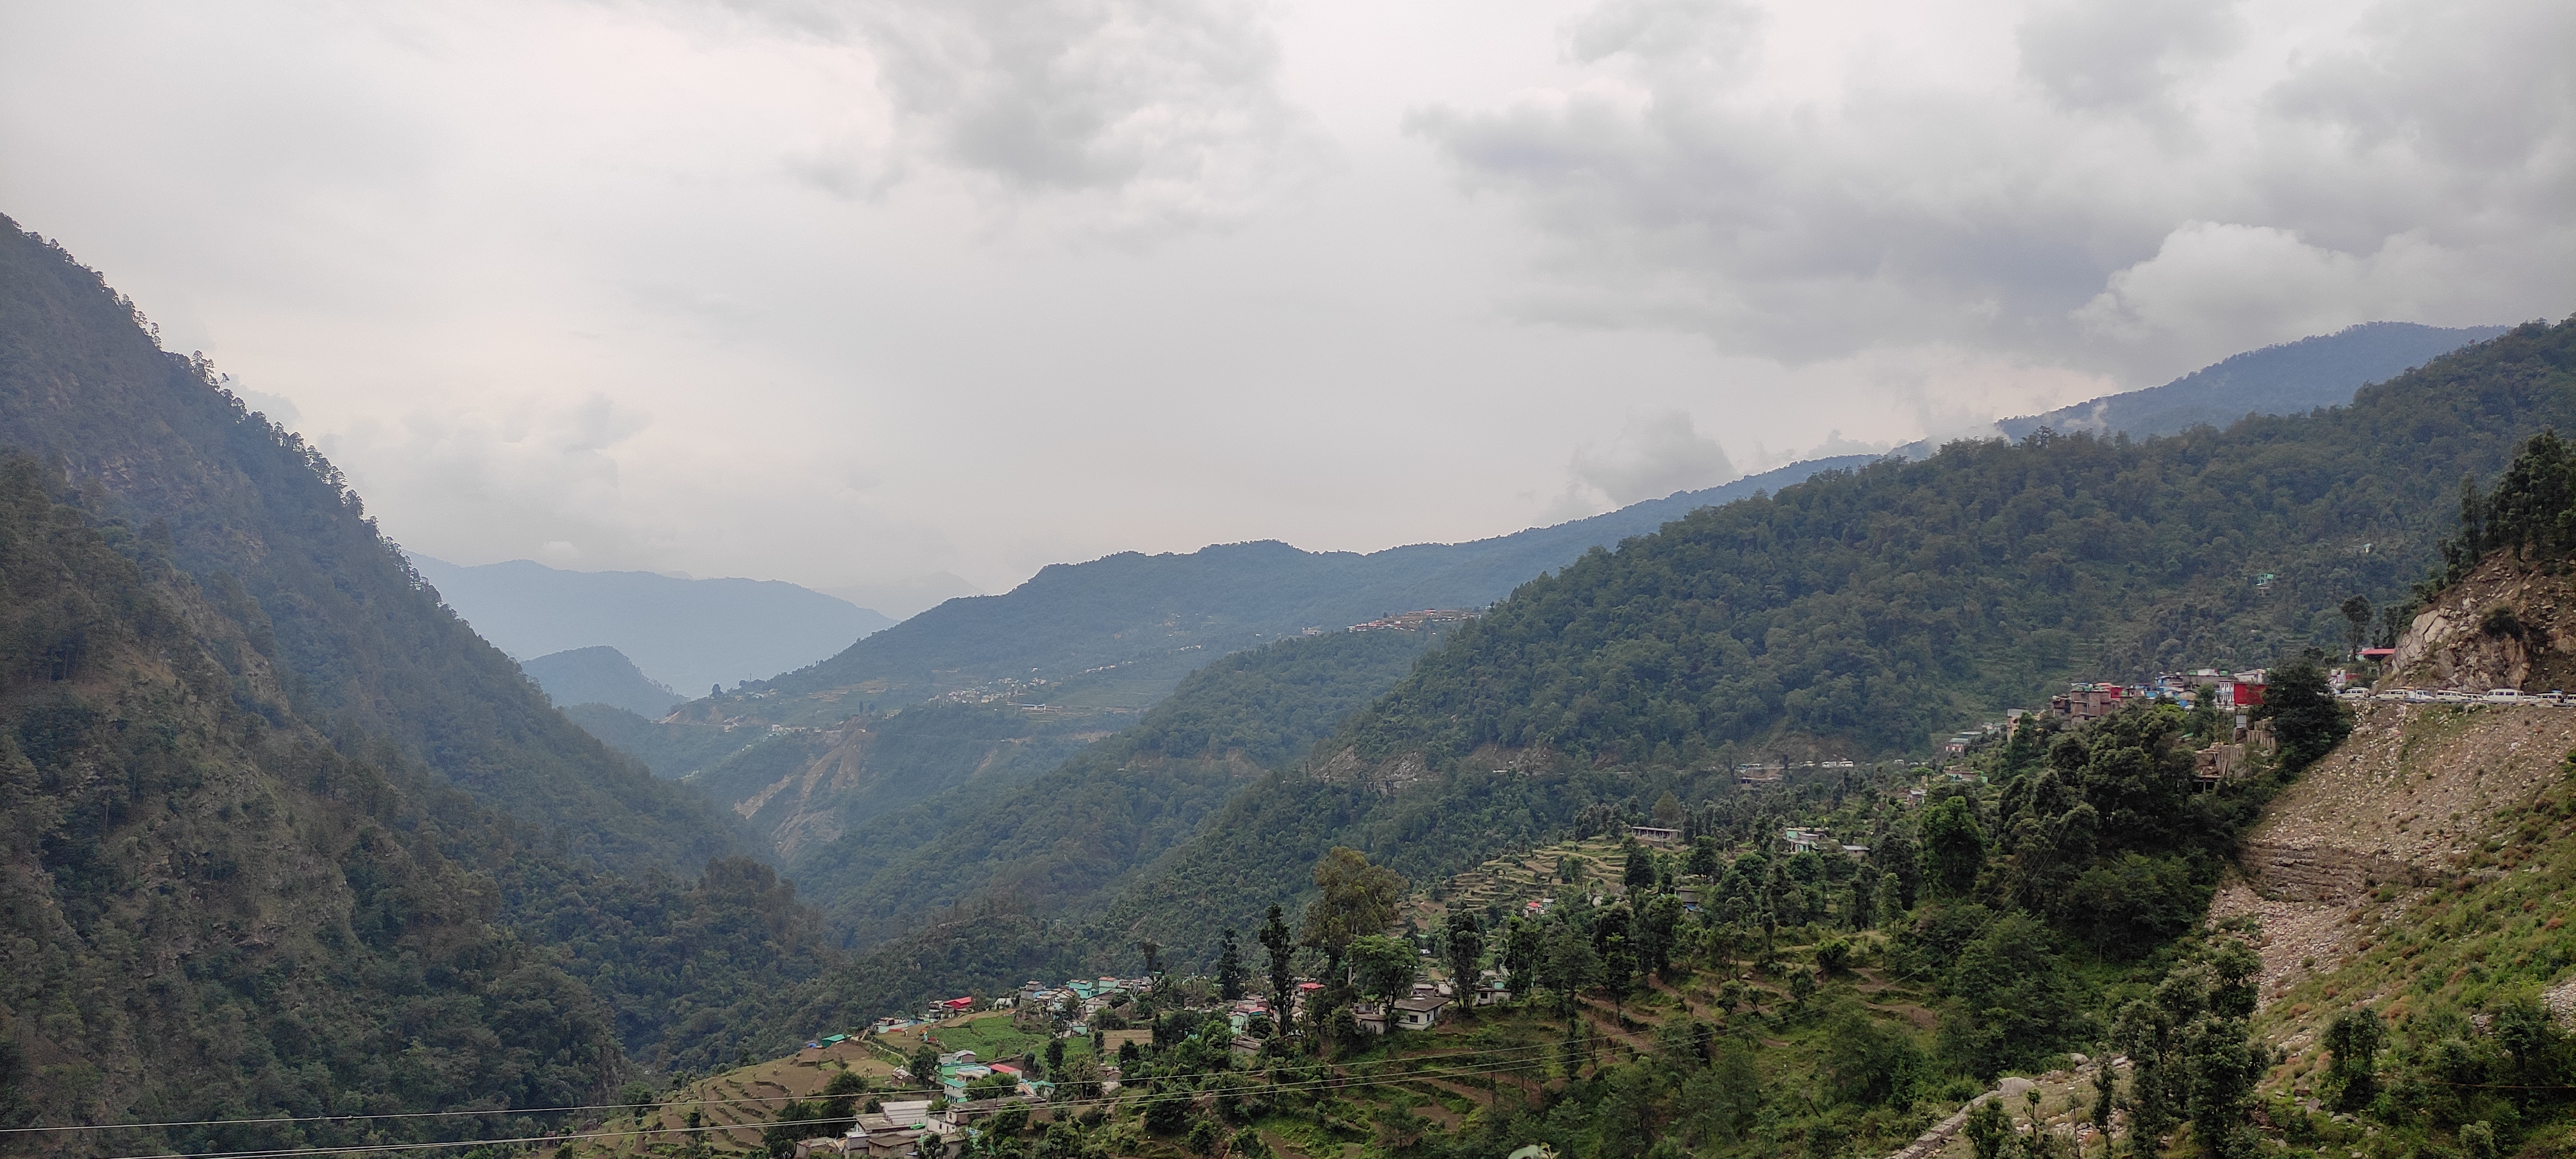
<point x="860" y="295"/>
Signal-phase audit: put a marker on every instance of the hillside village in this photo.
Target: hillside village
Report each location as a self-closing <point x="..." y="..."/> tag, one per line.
<point x="1710" y="935"/>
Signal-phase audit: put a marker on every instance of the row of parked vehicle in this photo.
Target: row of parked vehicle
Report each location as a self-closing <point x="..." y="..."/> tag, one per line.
<point x="2552" y="698"/>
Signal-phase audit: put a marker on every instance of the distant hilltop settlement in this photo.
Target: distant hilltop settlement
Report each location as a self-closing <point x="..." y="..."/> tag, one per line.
<point x="1411" y="621"/>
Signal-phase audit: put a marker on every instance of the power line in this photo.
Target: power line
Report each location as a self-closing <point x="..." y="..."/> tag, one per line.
<point x="1328" y="1083"/>
<point x="684" y="1103"/>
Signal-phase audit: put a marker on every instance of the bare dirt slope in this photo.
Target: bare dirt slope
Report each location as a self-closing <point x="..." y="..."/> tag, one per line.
<point x="2403" y="803"/>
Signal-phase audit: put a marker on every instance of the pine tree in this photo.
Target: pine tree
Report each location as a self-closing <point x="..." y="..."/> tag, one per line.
<point x="1464" y="938"/>
<point x="1282" y="946"/>
<point x="2353" y="1042"/>
<point x="1230" y="972"/>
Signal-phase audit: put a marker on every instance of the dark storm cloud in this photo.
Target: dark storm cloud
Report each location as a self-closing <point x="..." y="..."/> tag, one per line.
<point x="1153" y="114"/>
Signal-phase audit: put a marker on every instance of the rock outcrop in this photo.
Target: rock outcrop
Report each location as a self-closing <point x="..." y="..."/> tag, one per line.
<point x="2508" y="625"/>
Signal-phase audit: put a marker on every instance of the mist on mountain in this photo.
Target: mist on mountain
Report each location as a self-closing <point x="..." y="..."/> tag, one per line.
<point x="686" y="633"/>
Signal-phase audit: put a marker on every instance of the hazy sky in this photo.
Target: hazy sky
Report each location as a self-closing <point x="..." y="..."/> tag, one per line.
<point x="857" y="294"/>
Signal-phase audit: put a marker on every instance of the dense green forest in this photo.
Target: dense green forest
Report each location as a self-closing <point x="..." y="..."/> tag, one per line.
<point x="1875" y="609"/>
<point x="214" y="911"/>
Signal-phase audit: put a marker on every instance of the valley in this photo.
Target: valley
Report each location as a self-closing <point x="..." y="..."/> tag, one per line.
<point x="1736" y="823"/>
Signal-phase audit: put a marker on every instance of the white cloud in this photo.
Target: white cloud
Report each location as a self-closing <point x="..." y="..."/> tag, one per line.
<point x="1656" y="455"/>
<point x="873" y="295"/>
<point x="2047" y="212"/>
<point x="543" y="480"/>
<point x="2242" y="286"/>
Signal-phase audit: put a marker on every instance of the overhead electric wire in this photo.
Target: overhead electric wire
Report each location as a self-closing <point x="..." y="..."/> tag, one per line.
<point x="1325" y="1083"/>
<point x="475" y="1113"/>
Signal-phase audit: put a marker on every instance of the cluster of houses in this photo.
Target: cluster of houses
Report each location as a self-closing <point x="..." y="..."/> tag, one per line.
<point x="961" y="1070"/>
<point x="896" y="1130"/>
<point x="1801" y="840"/>
<point x="944" y="1128"/>
<point x="2229" y="691"/>
<point x="2237" y="692"/>
<point x="1418" y="1011"/>
<point x="1089" y="996"/>
<point x="1416" y="621"/>
<point x="1761" y="773"/>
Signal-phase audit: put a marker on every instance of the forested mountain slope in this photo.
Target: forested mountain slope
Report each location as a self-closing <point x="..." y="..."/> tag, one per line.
<point x="802" y="789"/>
<point x="600" y="675"/>
<point x="1860" y="613"/>
<point x="209" y="909"/>
<point x="1874" y="609"/>
<point x="1157" y="617"/>
<point x="266" y="526"/>
<point x="1865" y="613"/>
<point x="2291" y="378"/>
<point x="1048" y="846"/>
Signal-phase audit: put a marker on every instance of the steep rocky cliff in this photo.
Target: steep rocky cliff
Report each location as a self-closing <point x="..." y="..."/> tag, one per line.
<point x="2510" y="624"/>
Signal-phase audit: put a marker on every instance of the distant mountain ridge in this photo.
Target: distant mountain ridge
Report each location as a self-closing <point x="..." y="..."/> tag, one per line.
<point x="600" y="675"/>
<point x="2290" y="378"/>
<point x="687" y="633"/>
<point x="1165" y="615"/>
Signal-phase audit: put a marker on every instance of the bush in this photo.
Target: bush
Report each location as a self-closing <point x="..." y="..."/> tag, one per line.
<point x="2306" y="719"/>
<point x="1169" y="1112"/>
<point x="1868" y="1063"/>
<point x="2125" y="908"/>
